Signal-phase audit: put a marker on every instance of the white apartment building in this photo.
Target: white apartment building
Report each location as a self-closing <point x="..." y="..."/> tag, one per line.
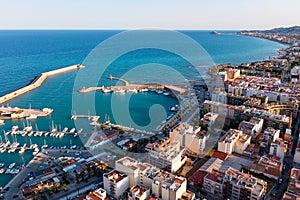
<point x="270" y="134"/>
<point x="115" y="183"/>
<point x="193" y="140"/>
<point x="167" y="155"/>
<point x="238" y="185"/>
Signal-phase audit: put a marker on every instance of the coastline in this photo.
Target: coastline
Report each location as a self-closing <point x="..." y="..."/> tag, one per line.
<point x="263" y="38"/>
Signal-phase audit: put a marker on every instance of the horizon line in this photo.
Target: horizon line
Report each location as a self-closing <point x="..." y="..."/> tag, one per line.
<point x="149" y="28"/>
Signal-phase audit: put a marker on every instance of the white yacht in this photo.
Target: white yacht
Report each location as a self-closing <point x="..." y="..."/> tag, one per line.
<point x="61" y="135"/>
<point x="159" y="92"/>
<point x="119" y="91"/>
<point x="11" y="165"/>
<point x="45" y="146"/>
<point x="105" y="90"/>
<point x="14" y="128"/>
<point x="132" y="91"/>
<point x="30" y="133"/>
<point x="36" y="151"/>
<point x="72" y="130"/>
<point x="31" y="117"/>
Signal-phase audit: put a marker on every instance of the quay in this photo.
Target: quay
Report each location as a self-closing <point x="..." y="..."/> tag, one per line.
<point x="93" y="118"/>
<point x="129" y="86"/>
<point x="38" y="82"/>
<point x="8" y="113"/>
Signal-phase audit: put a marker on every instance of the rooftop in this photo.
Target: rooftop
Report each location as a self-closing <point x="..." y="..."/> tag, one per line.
<point x="138" y="190"/>
<point x="215" y="176"/>
<point x="169" y="181"/>
<point x="115" y="176"/>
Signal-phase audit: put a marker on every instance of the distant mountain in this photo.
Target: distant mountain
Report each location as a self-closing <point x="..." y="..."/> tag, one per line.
<point x="295" y="30"/>
<point x="290" y="30"/>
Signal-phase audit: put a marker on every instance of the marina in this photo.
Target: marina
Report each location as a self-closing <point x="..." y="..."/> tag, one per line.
<point x="7" y="113"/>
<point x="13" y="147"/>
<point x="58" y="91"/>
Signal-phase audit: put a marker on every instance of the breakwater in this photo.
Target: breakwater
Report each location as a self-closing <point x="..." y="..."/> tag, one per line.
<point x="37" y="82"/>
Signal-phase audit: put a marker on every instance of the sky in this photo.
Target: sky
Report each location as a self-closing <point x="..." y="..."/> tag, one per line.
<point x="136" y="14"/>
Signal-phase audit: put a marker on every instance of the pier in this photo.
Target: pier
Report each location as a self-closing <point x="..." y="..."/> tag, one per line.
<point x="129" y="86"/>
<point x="94" y="118"/>
<point x="38" y="82"/>
<point x="8" y="113"/>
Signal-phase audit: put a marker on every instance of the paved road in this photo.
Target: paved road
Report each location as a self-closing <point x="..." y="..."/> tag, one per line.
<point x="14" y="184"/>
<point x="75" y="189"/>
<point x="279" y="191"/>
<point x="32" y="166"/>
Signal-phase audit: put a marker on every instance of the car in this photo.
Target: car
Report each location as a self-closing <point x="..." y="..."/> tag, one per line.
<point x="15" y="196"/>
<point x="280" y="181"/>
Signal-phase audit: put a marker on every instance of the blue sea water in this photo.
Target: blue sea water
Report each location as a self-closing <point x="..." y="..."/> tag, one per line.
<point x="26" y="54"/>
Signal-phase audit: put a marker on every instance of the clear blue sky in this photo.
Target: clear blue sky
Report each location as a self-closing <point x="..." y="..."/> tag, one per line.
<point x="132" y="14"/>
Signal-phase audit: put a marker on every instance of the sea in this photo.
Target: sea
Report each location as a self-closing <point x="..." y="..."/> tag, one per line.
<point x="24" y="54"/>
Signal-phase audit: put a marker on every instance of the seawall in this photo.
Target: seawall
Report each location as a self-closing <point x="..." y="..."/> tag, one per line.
<point x="38" y="82"/>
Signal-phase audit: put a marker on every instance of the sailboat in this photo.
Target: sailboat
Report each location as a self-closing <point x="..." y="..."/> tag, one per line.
<point x="54" y="129"/>
<point x="45" y="146"/>
<point x="31" y="116"/>
<point x="36" y="151"/>
<point x="7" y="141"/>
<point x="22" y="150"/>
